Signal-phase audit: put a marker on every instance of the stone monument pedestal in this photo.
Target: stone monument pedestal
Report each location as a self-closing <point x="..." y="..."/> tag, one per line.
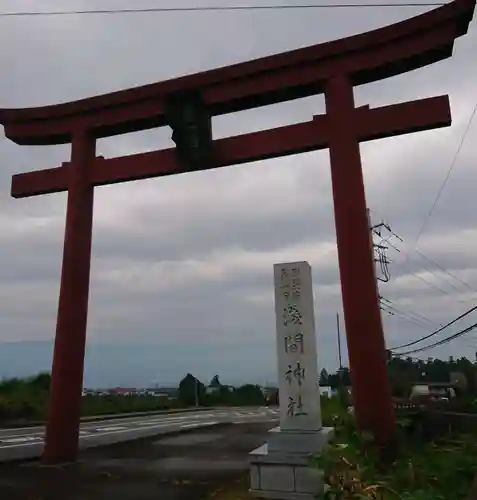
<point x="280" y="469"/>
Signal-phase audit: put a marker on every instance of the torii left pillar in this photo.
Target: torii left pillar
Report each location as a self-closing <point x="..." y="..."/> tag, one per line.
<point x="62" y="431"/>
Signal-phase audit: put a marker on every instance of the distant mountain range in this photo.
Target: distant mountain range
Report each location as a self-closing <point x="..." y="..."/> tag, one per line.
<point x="145" y="365"/>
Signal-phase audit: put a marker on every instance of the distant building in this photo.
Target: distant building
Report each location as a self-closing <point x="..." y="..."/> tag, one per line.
<point x="327" y="391"/>
<point x="459" y="380"/>
<point x="433" y="390"/>
<point x="212" y="389"/>
<point x="271" y="395"/>
<point x="162" y="392"/>
<point x="169" y="392"/>
<point x="91" y="392"/>
<point x="122" y="391"/>
<point x="215" y="386"/>
<point x="266" y="391"/>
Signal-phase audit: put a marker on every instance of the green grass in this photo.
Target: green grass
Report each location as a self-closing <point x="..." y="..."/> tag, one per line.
<point x="331" y="407"/>
<point x="442" y="469"/>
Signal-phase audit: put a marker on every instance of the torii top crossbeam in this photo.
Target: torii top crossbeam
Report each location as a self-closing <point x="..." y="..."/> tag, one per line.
<point x="365" y="58"/>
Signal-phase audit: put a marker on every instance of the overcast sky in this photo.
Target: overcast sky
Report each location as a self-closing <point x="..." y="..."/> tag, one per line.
<point x="182" y="266"/>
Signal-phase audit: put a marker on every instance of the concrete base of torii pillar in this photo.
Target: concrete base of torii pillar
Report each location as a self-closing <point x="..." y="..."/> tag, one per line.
<point x="281" y="468"/>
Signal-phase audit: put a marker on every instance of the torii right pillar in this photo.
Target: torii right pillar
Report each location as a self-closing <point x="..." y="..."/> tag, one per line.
<point x="364" y="331"/>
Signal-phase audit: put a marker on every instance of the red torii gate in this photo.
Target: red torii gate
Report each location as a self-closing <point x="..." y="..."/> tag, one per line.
<point x="332" y="68"/>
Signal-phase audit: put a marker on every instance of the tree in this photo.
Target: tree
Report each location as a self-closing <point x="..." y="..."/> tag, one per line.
<point x="324" y="378"/>
<point x="333" y="381"/>
<point x="11" y="385"/>
<point x="191" y="390"/>
<point x="345" y="376"/>
<point x="468" y="370"/>
<point x="215" y="382"/>
<point x="249" y="394"/>
<point x="401" y="384"/>
<point x="41" y="381"/>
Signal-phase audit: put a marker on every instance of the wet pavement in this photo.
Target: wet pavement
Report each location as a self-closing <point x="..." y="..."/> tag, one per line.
<point x="190" y="465"/>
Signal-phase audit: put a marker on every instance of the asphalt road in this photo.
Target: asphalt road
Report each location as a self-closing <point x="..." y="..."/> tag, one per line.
<point x="23" y="443"/>
<point x="204" y="463"/>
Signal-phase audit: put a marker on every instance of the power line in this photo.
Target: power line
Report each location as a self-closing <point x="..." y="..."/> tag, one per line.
<point x="407" y="311"/>
<point x="441" y="342"/>
<point x="408" y="253"/>
<point x="407" y="314"/>
<point x="412" y="312"/>
<point x="431" y="284"/>
<point x="391" y="311"/>
<point x="388" y="307"/>
<point x="383" y="260"/>
<point x="446" y="178"/>
<point x="457" y="289"/>
<point x="436" y="332"/>
<point x="445" y="270"/>
<point x="407" y="317"/>
<point x="435" y="276"/>
<point x="151" y="10"/>
<point x="420" y="278"/>
<point x="382" y="246"/>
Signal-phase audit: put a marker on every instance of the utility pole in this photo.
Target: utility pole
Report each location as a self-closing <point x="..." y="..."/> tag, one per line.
<point x="339" y="339"/>
<point x="196" y="393"/>
<point x="381" y="248"/>
<point x="341" y="389"/>
<point x="380" y="257"/>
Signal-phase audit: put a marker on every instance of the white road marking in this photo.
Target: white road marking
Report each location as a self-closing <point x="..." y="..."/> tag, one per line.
<point x="10" y="436"/>
<point x="198" y="424"/>
<point x="19" y="445"/>
<point x="84" y="436"/>
<point x="128" y="419"/>
<point x="162" y="420"/>
<point x="24" y="439"/>
<point x="95" y="430"/>
<point x="112" y="428"/>
<point x="154" y="422"/>
<point x="90" y="429"/>
<point x="131" y="429"/>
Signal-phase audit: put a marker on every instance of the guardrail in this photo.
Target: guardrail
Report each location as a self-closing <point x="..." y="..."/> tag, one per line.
<point x="406" y="406"/>
<point x="113" y="416"/>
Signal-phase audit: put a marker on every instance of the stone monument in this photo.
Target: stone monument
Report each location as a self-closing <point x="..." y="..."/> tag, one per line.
<point x="280" y="469"/>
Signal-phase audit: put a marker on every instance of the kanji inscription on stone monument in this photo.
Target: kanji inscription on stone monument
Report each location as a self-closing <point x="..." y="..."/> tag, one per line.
<point x="296" y="344"/>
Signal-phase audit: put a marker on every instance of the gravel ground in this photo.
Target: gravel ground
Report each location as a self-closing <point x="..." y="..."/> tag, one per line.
<point x="191" y="465"/>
